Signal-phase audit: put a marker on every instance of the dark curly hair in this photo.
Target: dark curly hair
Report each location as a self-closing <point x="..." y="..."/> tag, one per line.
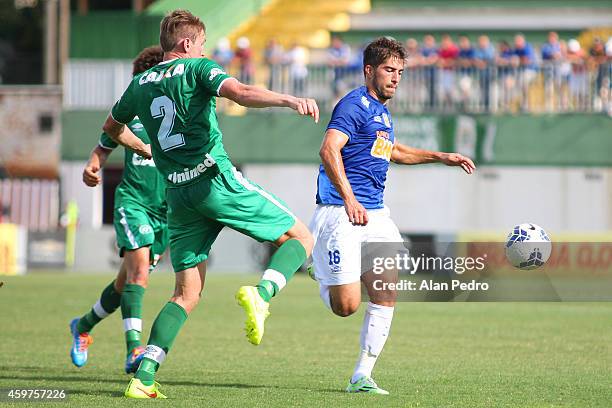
<point x="379" y="50"/>
<point x="149" y="57"/>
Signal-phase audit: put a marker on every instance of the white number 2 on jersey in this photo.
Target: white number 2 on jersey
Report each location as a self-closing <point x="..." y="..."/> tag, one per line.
<point x="162" y="106"/>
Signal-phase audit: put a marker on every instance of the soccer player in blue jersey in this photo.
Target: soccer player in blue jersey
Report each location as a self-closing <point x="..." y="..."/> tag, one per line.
<point x="359" y="144"/>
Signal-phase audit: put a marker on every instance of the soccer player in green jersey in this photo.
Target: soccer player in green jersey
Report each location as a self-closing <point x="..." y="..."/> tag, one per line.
<point x="175" y="102"/>
<point x="142" y="236"/>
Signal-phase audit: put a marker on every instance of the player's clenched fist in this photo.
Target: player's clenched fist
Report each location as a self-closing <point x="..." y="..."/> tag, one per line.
<point x="91" y="176"/>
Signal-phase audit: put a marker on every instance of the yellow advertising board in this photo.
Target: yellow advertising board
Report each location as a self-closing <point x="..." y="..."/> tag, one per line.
<point x="8" y="249"/>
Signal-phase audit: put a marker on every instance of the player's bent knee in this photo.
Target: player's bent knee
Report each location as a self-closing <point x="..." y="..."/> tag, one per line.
<point x="119" y="285"/>
<point x="139" y="276"/>
<point x="308" y="243"/>
<point x="345" y="309"/>
<point x="303" y="235"/>
<point x="187" y="302"/>
<point x="300" y="232"/>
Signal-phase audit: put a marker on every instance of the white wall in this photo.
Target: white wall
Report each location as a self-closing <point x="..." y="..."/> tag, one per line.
<point x="427" y="199"/>
<point x="435" y="198"/>
<point x="88" y="199"/>
<point x="432" y="198"/>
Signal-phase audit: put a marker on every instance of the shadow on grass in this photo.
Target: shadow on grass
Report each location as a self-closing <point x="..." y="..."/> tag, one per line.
<point x="21" y="368"/>
<point x="95" y="393"/>
<point x="217" y="385"/>
<point x="89" y="377"/>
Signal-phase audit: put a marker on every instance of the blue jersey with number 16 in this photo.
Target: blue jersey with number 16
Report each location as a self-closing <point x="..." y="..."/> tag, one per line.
<point x="366" y="155"/>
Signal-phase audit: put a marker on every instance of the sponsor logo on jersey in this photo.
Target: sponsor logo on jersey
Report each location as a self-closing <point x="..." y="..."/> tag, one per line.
<point x="190" y="174"/>
<point x="365" y="101"/>
<point x="158" y="76"/>
<point x="214" y="72"/>
<point x="141" y="161"/>
<point x="382" y="147"/>
<point x="383" y="134"/>
<point x="377" y="119"/>
<point x="145" y="229"/>
<point x="386" y="120"/>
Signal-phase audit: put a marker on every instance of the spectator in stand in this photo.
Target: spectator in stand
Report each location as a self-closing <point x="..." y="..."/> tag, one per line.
<point x="465" y="59"/>
<point x="565" y="71"/>
<point x="504" y="53"/>
<point x="355" y="65"/>
<point x="297" y="58"/>
<point x="578" y="80"/>
<point x="525" y="60"/>
<point x="551" y="64"/>
<point x="465" y="64"/>
<point x="244" y="59"/>
<point x="524" y="52"/>
<point x="339" y="57"/>
<point x="506" y="73"/>
<point x="413" y="54"/>
<point x="223" y="54"/>
<point x="429" y="53"/>
<point x="484" y="60"/>
<point x="413" y="76"/>
<point x="274" y="56"/>
<point x="597" y="63"/>
<point x="551" y="49"/>
<point x="448" y="54"/>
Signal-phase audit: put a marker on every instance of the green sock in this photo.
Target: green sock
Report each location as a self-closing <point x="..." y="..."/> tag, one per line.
<point x="283" y="264"/>
<point x="163" y="333"/>
<point x="146" y="371"/>
<point x="131" y="312"/>
<point x="109" y="302"/>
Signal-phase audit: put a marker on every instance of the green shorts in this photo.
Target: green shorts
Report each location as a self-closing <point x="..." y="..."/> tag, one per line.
<point x="198" y="212"/>
<point x="136" y="227"/>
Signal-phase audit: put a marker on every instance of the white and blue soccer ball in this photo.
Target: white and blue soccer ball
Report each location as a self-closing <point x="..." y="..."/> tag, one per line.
<point x="528" y="246"/>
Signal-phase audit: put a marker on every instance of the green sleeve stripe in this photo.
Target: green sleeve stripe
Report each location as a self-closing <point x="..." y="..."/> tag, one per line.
<point x="105" y="147"/>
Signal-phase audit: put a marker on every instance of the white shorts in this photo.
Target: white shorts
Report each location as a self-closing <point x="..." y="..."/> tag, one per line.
<point x="336" y="255"/>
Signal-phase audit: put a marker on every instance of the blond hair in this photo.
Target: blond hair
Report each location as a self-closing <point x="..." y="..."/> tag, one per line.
<point x="177" y="25"/>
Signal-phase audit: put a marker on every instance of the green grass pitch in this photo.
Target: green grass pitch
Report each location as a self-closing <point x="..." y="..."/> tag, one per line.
<point x="438" y="354"/>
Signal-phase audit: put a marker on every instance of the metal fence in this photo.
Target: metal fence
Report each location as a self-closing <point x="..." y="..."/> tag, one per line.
<point x="95" y="84"/>
<point x="548" y="88"/>
<point x="33" y="204"/>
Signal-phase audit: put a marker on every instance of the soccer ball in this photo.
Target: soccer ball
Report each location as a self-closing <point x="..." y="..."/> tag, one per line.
<point x="528" y="246"/>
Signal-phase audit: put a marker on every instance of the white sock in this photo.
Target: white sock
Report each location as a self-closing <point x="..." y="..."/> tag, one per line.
<point x="374" y="333"/>
<point x="324" y="293"/>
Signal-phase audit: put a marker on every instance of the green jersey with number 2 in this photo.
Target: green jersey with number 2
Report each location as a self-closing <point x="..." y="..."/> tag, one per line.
<point x="175" y="101"/>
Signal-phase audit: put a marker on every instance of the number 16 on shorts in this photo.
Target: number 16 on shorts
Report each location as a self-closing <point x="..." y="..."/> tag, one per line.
<point x="334" y="259"/>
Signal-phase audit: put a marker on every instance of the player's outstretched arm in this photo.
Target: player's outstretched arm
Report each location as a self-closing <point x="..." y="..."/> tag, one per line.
<point x="256" y="97"/>
<point x="91" y="172"/>
<point x="403" y="154"/>
<point x="124" y="136"/>
<point x="331" y="157"/>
